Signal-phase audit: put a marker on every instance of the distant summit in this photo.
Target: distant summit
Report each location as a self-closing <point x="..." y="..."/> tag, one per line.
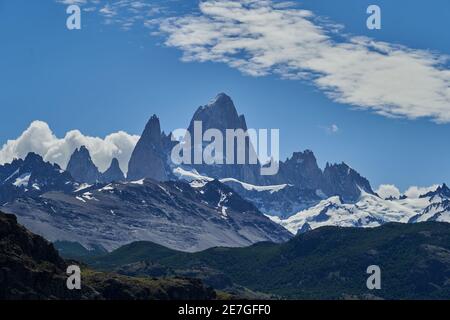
<point x="219" y="114"/>
<point x="301" y="170"/>
<point x="148" y="158"/>
<point x="442" y="191"/>
<point x="114" y="173"/>
<point x="340" y="179"/>
<point x="32" y="176"/>
<point x="82" y="168"/>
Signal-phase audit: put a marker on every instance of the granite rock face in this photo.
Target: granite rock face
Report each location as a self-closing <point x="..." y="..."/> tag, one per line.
<point x="32" y="176"/>
<point x="148" y="159"/>
<point x="301" y="170"/>
<point x="341" y="180"/>
<point x="220" y="114"/>
<point x="82" y="168"/>
<point x="114" y="173"/>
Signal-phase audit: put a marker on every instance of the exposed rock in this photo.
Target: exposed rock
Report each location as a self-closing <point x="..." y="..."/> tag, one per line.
<point x="148" y="158"/>
<point x="31" y="269"/>
<point x="82" y="168"/>
<point x="173" y="214"/>
<point x="302" y="171"/>
<point x="341" y="180"/>
<point x="114" y="173"/>
<point x="221" y="114"/>
<point x="32" y="176"/>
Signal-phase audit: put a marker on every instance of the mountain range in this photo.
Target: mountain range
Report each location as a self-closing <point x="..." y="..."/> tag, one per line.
<point x="194" y="207"/>
<point x="306" y="181"/>
<point x="371" y="211"/>
<point x="172" y="213"/>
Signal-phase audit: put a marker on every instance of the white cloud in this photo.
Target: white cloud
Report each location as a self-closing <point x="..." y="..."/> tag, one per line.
<point x="334" y="128"/>
<point x="40" y="139"/>
<point x="259" y="37"/>
<point x="415" y="192"/>
<point x="124" y="13"/>
<point x="388" y="190"/>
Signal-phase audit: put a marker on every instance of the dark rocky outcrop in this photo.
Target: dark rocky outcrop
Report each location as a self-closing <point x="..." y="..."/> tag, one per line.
<point x="341" y="180"/>
<point x="148" y="159"/>
<point x="32" y="176"/>
<point x="221" y="114"/>
<point x="301" y="170"/>
<point x="114" y="173"/>
<point x="31" y="269"/>
<point x="82" y="168"/>
<point x="442" y="191"/>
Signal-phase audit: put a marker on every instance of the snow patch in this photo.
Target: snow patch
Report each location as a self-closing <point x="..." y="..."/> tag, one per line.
<point x="23" y="180"/>
<point x="139" y="182"/>
<point x="251" y="187"/>
<point x="82" y="187"/>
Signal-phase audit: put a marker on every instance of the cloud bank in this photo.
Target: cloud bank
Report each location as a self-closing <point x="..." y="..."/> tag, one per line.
<point x="261" y="37"/>
<point x="124" y="13"/>
<point x="39" y="138"/>
<point x="389" y="190"/>
<point x="416" y="192"/>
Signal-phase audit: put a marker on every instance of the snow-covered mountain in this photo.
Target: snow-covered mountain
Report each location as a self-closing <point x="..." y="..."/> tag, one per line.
<point x="277" y="200"/>
<point x="304" y="183"/>
<point x="152" y="204"/>
<point x="371" y="211"/>
<point x="32" y="176"/>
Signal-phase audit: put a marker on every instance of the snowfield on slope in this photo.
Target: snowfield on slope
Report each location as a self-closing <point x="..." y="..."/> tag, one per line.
<point x="370" y="211"/>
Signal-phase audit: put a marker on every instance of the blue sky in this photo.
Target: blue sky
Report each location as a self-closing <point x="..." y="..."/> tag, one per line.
<point x="105" y="78"/>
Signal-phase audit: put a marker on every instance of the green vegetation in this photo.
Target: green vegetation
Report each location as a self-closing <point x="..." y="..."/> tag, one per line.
<point x="327" y="263"/>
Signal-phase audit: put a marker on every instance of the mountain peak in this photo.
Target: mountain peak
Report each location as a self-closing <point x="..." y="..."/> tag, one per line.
<point x="152" y="131"/>
<point x="147" y="159"/>
<point x="219" y="114"/>
<point x="33" y="157"/>
<point x="115" y="162"/>
<point x="81" y="166"/>
<point x="221" y="99"/>
<point x="82" y="152"/>
<point x="443" y="191"/>
<point x="341" y="179"/>
<point x="83" y="149"/>
<point x="114" y="173"/>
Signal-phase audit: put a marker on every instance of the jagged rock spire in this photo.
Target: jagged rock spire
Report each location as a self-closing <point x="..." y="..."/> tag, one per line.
<point x="81" y="166"/>
<point x="148" y="158"/>
<point x="114" y="173"/>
